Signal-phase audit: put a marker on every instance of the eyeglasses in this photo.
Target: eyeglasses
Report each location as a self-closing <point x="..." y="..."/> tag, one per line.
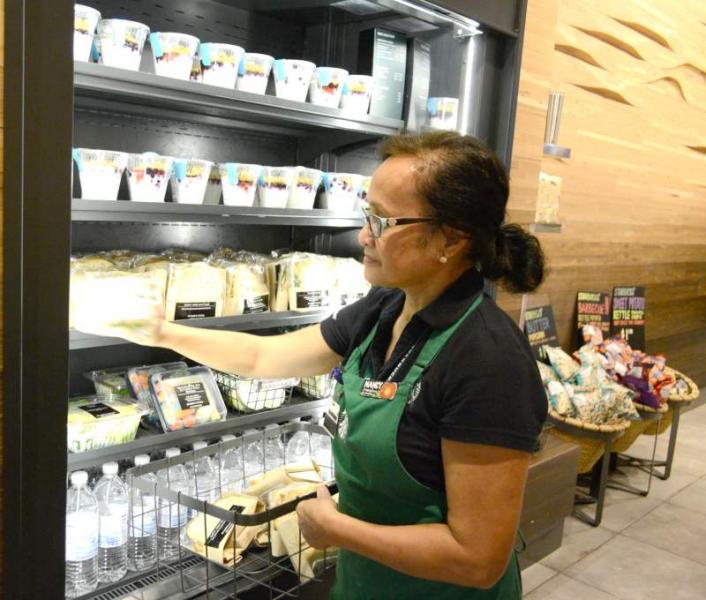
<point x="378" y="225"/>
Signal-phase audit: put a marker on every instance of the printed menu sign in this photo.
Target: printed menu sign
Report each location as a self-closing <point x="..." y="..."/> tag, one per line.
<point x="592" y="308"/>
<point x="628" y="315"/>
<point x="540" y="328"/>
<point x="383" y="54"/>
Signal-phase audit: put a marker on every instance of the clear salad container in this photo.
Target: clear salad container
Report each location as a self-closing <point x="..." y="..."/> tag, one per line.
<point x="187" y="397"/>
<point x="111" y="383"/>
<point x="139" y="380"/>
<point x="97" y="422"/>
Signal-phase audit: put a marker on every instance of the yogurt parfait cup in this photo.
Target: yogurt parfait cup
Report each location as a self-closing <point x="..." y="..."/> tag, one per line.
<point x="196" y="72"/>
<point x="254" y="72"/>
<point x="305" y="184"/>
<point x="189" y="180"/>
<point x="99" y="172"/>
<point x="213" y="187"/>
<point x="239" y="183"/>
<point x="219" y="64"/>
<point x="362" y="195"/>
<point x="274" y="185"/>
<point x="121" y="43"/>
<point x="147" y="176"/>
<point x="173" y="54"/>
<point x="340" y="191"/>
<point x="85" y="21"/>
<point x="356" y="94"/>
<point x="443" y="113"/>
<point x="292" y="78"/>
<point x="326" y="86"/>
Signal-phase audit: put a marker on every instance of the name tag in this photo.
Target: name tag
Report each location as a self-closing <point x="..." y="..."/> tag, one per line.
<point x="383" y="390"/>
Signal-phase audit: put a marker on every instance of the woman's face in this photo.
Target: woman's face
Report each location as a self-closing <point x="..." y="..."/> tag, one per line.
<point x="404" y="256"/>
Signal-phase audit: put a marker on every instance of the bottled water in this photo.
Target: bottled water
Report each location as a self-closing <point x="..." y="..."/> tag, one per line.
<point x="205" y="476"/>
<point x="172" y="516"/>
<point x="112" y="497"/>
<point x="253" y="457"/>
<point x="81" y="537"/>
<point x="274" y="450"/>
<point x="323" y="455"/>
<point x="142" y="524"/>
<point x="298" y="448"/>
<point x="231" y="467"/>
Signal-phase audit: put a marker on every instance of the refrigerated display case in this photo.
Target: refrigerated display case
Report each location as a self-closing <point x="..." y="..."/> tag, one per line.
<point x="467" y="51"/>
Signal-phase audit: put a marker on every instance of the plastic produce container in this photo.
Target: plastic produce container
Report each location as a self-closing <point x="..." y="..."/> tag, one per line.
<point x="253" y="73"/>
<point x="356" y="94"/>
<point x="219" y="64"/>
<point x="173" y="54"/>
<point x="326" y="86"/>
<point x="239" y="183"/>
<point x="97" y="422"/>
<point x="187" y="397"/>
<point x="147" y="176"/>
<point x="139" y="380"/>
<point x="85" y="21"/>
<point x="189" y="180"/>
<point x="99" y="172"/>
<point x="292" y="78"/>
<point x="111" y="383"/>
<point x="340" y="191"/>
<point x="274" y="185"/>
<point x="121" y="43"/>
<point x="305" y="184"/>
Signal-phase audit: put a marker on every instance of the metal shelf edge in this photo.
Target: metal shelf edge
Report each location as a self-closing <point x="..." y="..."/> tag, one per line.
<point x="171" y="212"/>
<point x="80" y="341"/>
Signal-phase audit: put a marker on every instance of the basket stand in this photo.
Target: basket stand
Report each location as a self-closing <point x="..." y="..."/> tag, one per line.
<point x="621" y="460"/>
<point x="660" y="468"/>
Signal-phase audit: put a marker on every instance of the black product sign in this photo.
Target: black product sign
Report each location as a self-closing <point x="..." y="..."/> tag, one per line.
<point x="592" y="308"/>
<point x="256" y="304"/>
<point x="99" y="410"/>
<point x="540" y="328"/>
<point x="194" y="310"/>
<point x="223" y="528"/>
<point x="312" y="299"/>
<point x="191" y="395"/>
<point x="628" y="315"/>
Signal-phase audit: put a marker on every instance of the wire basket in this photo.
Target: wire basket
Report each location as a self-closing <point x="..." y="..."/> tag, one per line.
<point x="250" y="395"/>
<point x="317" y="386"/>
<point x="253" y="543"/>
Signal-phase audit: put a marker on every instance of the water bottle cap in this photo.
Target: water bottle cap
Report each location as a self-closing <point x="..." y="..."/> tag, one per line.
<point x="199" y="445"/>
<point x="110" y="468"/>
<point x="172" y="452"/>
<point x="79" y="478"/>
<point x="228" y="437"/>
<point x="142" y="459"/>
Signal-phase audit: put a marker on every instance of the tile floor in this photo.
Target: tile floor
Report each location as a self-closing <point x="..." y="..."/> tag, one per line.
<point x="650" y="547"/>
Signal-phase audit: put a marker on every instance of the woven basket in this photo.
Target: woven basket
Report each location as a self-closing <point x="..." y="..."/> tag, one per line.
<point x="690" y="395"/>
<point x="592" y="448"/>
<point x="639" y="426"/>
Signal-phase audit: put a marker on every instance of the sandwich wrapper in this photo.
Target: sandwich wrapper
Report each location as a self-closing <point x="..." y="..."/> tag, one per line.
<point x="217" y="535"/>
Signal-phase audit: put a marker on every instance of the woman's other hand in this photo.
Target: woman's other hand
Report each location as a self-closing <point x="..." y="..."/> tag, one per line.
<point x="317" y="517"/>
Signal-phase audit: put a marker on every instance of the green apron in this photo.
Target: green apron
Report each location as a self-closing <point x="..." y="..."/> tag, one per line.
<point x="374" y="486"/>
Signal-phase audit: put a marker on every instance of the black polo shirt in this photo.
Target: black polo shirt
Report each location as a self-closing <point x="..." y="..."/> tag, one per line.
<point x="482" y="388"/>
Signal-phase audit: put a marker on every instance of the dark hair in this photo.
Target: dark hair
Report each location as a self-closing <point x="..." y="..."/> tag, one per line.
<point x="467" y="188"/>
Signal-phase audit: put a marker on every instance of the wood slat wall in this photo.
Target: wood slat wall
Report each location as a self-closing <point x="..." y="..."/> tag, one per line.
<point x="633" y="198"/>
<point x="2" y="237"/>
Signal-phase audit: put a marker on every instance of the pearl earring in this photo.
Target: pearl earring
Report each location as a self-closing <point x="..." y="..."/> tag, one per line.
<point x="443" y="260"/>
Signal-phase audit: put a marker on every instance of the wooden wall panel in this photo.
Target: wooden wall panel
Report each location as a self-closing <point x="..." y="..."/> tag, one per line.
<point x="2" y="337"/>
<point x="633" y="201"/>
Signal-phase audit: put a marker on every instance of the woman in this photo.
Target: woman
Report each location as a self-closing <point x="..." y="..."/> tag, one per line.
<point x="440" y="403"/>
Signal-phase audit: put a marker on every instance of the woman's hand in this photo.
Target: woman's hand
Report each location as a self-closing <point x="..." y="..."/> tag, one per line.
<point x="317" y="517"/>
